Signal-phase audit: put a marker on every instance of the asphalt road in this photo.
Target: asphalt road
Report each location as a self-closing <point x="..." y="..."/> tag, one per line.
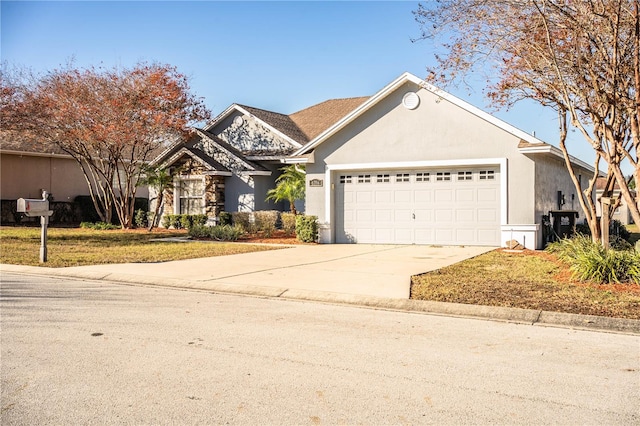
<point x="84" y="352"/>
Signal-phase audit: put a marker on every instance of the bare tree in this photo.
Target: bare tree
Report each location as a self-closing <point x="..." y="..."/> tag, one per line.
<point x="578" y="57"/>
<point x="110" y="121"/>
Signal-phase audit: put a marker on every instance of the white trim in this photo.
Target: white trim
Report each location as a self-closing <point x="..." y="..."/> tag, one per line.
<point x="527" y="235"/>
<point x="254" y="173"/>
<point x="500" y="162"/>
<point x="545" y="148"/>
<point x="217" y="173"/>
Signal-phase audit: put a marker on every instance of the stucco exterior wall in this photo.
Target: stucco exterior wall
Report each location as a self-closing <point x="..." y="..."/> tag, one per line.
<point x="25" y="176"/>
<point x="436" y="130"/>
<point x="552" y="176"/>
<point x="250" y="135"/>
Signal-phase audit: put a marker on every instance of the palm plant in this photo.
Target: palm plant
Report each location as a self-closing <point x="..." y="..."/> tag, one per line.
<point x="160" y="179"/>
<point x="290" y="186"/>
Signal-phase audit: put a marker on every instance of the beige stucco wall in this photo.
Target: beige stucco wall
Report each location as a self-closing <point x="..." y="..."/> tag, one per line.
<point x="436" y="130"/>
<point x="552" y="176"/>
<point x="25" y="176"/>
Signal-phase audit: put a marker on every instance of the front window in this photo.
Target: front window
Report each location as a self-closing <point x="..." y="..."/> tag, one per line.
<point x="191" y="196"/>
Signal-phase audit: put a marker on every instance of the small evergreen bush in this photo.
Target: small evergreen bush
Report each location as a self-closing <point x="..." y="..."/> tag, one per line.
<point x="140" y="219"/>
<point x="224" y="218"/>
<point x="307" y="228"/>
<point x="288" y="223"/>
<point x="266" y="221"/>
<point x="245" y="221"/>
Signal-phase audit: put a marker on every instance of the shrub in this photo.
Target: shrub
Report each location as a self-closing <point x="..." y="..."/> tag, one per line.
<point x="288" y="223"/>
<point x="218" y="233"/>
<point x="590" y="261"/>
<point x="266" y="221"/>
<point x="245" y="221"/>
<point x="226" y="232"/>
<point x="186" y="221"/>
<point x="224" y="218"/>
<point x="99" y="226"/>
<point x="307" y="228"/>
<point x="140" y="218"/>
<point x="166" y="221"/>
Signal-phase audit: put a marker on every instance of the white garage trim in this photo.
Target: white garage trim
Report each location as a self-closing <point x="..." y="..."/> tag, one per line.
<point x="330" y="168"/>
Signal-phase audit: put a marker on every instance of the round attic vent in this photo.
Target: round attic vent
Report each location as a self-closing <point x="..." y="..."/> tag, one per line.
<point x="411" y="100"/>
<point x="238" y="121"/>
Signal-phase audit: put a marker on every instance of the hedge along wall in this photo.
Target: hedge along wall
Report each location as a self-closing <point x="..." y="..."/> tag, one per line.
<point x="64" y="212"/>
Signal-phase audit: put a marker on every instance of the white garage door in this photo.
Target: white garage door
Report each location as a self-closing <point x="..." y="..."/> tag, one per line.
<point x="455" y="206"/>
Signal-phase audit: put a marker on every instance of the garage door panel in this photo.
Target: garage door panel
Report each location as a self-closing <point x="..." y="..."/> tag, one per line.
<point x="423" y="196"/>
<point x="364" y="197"/>
<point x="403" y="236"/>
<point x="488" y="236"/>
<point x="443" y="236"/>
<point x="465" y="234"/>
<point x="403" y="196"/>
<point x="487" y="215"/>
<point x="383" y="197"/>
<point x="384" y="216"/>
<point x="444" y="215"/>
<point x="436" y="206"/>
<point x="443" y="195"/>
<point x="487" y="195"/>
<point x="465" y="215"/>
<point x="465" y="195"/>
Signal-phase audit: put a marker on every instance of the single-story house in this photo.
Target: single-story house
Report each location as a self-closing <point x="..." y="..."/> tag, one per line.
<point x="413" y="164"/>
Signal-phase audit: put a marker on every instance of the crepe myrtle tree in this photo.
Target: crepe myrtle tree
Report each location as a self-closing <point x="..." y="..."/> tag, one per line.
<point x="580" y="58"/>
<point x="290" y="186"/>
<point x="111" y="121"/>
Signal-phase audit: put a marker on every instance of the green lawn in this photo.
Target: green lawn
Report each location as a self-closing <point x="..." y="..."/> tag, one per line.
<point x="77" y="247"/>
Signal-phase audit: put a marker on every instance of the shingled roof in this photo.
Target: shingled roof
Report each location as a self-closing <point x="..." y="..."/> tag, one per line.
<point x="317" y="118"/>
<point x="22" y="143"/>
<point x="278" y="121"/>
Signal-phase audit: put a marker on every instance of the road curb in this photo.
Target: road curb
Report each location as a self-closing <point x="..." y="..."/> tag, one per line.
<point x="508" y="314"/>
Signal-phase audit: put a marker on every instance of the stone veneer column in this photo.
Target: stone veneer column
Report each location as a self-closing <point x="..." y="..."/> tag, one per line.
<point x="214" y="195"/>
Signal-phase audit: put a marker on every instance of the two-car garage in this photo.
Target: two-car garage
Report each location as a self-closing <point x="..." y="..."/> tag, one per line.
<point x="449" y="206"/>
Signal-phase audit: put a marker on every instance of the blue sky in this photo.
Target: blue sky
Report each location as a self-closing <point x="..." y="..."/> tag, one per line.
<point x="279" y="56"/>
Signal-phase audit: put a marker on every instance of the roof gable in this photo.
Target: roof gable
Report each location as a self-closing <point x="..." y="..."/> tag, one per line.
<point x="392" y="87"/>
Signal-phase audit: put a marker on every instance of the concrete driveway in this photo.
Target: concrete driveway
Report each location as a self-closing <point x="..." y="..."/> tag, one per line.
<point x="352" y="269"/>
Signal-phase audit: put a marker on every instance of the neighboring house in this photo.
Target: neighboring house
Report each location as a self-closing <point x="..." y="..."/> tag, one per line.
<point x="415" y="165"/>
<point x="622" y="213"/>
<point x="29" y="166"/>
<point x="230" y="164"/>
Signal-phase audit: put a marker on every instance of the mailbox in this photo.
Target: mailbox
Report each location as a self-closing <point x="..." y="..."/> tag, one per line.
<point x="32" y="207"/>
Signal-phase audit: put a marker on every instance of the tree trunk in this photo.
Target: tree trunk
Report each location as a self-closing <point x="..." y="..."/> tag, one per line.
<point x="155" y="218"/>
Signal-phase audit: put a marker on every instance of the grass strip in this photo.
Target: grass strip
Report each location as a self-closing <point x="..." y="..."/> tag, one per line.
<point x="80" y="247"/>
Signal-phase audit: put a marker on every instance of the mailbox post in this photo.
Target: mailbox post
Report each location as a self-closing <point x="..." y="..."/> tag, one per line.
<point x="33" y="208"/>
